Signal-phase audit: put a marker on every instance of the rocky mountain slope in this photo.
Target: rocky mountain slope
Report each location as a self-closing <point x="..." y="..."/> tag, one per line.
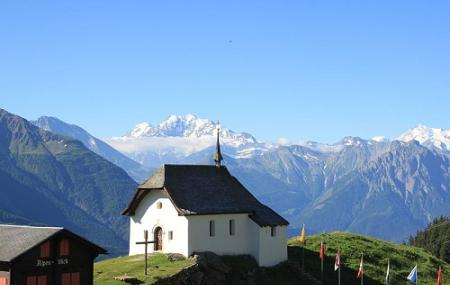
<point x="50" y="179"/>
<point x="136" y="170"/>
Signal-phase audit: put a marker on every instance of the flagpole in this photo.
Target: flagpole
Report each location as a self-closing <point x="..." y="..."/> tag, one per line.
<point x="362" y="273"/>
<point x="339" y="269"/>
<point x="322" y="257"/>
<point x="388" y="274"/>
<point x="303" y="259"/>
<point x="417" y="277"/>
<point x="321" y="269"/>
<point x="339" y="273"/>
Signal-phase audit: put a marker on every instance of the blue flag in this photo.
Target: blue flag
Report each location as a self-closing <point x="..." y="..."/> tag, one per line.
<point x="413" y="275"/>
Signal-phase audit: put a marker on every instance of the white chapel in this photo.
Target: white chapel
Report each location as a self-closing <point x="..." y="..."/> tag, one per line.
<point x="196" y="208"/>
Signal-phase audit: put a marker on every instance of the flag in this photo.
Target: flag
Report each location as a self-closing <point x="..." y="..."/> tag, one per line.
<point x="388" y="277"/>
<point x="322" y="251"/>
<point x="361" y="268"/>
<point x="439" y="278"/>
<point x="337" y="263"/>
<point x="413" y="275"/>
<point x="302" y="238"/>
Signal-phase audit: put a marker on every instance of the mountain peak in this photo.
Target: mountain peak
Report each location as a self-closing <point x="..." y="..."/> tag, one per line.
<point x="350" y="141"/>
<point x="427" y="136"/>
<point x="186" y="126"/>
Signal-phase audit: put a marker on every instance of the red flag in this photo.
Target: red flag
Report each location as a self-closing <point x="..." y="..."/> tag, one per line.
<point x="322" y="251"/>
<point x="361" y="268"/>
<point x="337" y="263"/>
<point x="439" y="278"/>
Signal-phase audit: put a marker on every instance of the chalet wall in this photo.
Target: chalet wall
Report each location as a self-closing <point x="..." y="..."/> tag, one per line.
<point x="148" y="217"/>
<point x="222" y="243"/>
<point x="80" y="259"/>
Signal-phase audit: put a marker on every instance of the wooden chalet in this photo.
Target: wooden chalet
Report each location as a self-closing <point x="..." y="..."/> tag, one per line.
<point x="45" y="256"/>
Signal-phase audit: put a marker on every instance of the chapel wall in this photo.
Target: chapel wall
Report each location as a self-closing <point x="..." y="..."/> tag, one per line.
<point x="222" y="242"/>
<point x="148" y="216"/>
<point x="272" y="249"/>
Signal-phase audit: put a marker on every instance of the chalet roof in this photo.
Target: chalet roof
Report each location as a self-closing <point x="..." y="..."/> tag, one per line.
<point x="205" y="189"/>
<point x="15" y="240"/>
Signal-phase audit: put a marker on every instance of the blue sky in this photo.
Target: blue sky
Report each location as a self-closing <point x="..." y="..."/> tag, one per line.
<point x="316" y="70"/>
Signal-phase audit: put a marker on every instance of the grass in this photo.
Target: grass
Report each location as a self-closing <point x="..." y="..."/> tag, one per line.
<point x="376" y="253"/>
<point x="159" y="266"/>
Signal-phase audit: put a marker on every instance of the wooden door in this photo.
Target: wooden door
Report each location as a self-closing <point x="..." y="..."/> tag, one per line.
<point x="158" y="238"/>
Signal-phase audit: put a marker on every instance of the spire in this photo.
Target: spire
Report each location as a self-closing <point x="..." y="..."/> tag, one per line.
<point x="218" y="155"/>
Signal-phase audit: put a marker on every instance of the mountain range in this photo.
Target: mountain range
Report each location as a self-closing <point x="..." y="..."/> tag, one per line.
<point x="380" y="187"/>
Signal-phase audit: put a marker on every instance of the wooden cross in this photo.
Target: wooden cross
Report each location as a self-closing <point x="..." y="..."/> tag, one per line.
<point x="145" y="243"/>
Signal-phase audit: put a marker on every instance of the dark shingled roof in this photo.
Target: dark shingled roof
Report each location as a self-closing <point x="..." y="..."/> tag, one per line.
<point x="205" y="189"/>
<point x="16" y="240"/>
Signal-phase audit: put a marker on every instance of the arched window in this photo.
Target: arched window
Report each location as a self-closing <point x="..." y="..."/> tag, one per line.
<point x="159" y="205"/>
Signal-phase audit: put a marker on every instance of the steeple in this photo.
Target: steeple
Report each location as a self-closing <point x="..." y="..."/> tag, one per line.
<point x="218" y="155"/>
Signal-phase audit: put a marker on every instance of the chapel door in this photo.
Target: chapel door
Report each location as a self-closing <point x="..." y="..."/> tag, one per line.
<point x="158" y="238"/>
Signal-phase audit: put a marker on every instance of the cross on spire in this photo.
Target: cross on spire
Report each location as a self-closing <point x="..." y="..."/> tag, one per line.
<point x="218" y="155"/>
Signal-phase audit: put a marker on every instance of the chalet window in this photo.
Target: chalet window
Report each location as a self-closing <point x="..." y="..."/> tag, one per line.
<point x="232" y="227"/>
<point x="159" y="205"/>
<point x="170" y="235"/>
<point x="3" y="281"/>
<point x="70" y="278"/>
<point x="31" y="280"/>
<point x="64" y="247"/>
<point x="65" y="279"/>
<point x="45" y="249"/>
<point x="212" y="228"/>
<point x="37" y="280"/>
<point x="273" y="231"/>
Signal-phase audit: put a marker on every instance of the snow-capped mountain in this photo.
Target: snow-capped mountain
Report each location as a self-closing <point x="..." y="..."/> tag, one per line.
<point x="137" y="171"/>
<point x="429" y="137"/>
<point x="180" y="136"/>
<point x="374" y="186"/>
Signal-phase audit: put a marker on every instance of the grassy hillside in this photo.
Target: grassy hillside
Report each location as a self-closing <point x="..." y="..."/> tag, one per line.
<point x="243" y="270"/>
<point x="159" y="266"/>
<point x="376" y="253"/>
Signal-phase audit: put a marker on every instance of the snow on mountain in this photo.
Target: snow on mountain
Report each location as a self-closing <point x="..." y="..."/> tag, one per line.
<point x="429" y="137"/>
<point x="180" y="136"/>
<point x="55" y="125"/>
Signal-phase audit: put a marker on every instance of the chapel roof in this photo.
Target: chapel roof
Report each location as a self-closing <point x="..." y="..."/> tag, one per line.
<point x="15" y="240"/>
<point x="205" y="189"/>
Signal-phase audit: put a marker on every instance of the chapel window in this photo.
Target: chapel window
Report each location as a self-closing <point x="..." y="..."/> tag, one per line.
<point x="159" y="205"/>
<point x="212" y="228"/>
<point x="170" y="235"/>
<point x="232" y="227"/>
<point x="273" y="231"/>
